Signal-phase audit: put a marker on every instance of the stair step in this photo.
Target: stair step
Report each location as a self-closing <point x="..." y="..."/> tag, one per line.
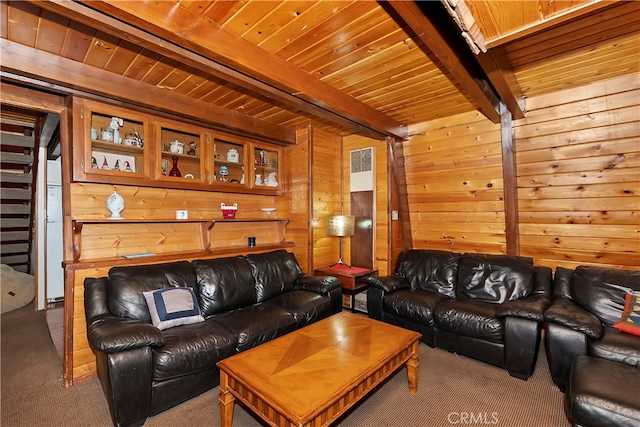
<point x="16" y="177"/>
<point x="14" y="222"/>
<point x="18" y="158"/>
<point x="12" y="236"/>
<point x="14" y="259"/>
<point x="11" y="139"/>
<point x="14" y="248"/>
<point x="15" y="194"/>
<point x="23" y="268"/>
<point x="16" y="209"/>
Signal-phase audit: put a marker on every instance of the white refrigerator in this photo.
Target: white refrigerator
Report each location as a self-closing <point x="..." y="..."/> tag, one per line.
<point x="54" y="270"/>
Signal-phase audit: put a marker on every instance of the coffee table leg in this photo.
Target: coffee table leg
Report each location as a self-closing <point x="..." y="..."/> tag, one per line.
<point x="412" y="368"/>
<point x="227" y="401"/>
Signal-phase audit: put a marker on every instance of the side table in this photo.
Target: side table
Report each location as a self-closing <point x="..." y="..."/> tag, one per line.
<point x="352" y="281"/>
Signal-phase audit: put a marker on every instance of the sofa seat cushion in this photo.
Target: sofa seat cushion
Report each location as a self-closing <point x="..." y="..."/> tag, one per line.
<point x="190" y="349"/>
<point x="470" y="319"/>
<point x="616" y="346"/>
<point x="305" y="307"/>
<point x="413" y="304"/>
<point x="256" y="324"/>
<point x="603" y="393"/>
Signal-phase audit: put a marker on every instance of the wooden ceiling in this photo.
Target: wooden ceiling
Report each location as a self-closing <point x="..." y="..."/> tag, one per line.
<point x="343" y="66"/>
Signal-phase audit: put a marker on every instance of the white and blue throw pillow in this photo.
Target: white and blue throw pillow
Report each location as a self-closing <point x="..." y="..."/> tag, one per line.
<point x="173" y="307"/>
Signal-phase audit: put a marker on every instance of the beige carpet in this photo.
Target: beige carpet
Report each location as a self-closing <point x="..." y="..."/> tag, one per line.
<point x="452" y="390"/>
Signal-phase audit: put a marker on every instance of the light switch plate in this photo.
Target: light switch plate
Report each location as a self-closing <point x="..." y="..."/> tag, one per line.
<point x="394" y="215"/>
<point x="180" y="214"/>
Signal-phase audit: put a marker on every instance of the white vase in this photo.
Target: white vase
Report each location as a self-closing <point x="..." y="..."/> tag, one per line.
<point x="115" y="204"/>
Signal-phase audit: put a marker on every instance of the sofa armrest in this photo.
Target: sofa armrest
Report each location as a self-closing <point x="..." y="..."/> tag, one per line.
<point x="319" y="284"/>
<point x="112" y="334"/>
<point x="530" y="308"/>
<point x="388" y="283"/>
<point x="565" y="312"/>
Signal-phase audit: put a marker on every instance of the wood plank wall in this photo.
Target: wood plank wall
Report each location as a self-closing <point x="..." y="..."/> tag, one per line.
<point x="578" y="155"/>
<point x="88" y="201"/>
<point x="382" y="214"/>
<point x="578" y="174"/>
<point x="454" y="184"/>
<point x="296" y="205"/>
<point x="326" y="196"/>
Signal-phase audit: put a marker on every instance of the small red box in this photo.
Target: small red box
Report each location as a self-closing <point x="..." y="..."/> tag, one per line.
<point x="229" y="212"/>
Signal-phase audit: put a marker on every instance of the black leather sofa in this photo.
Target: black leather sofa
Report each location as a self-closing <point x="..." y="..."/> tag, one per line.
<point x="245" y="301"/>
<point x="488" y="307"/>
<point x="587" y="302"/>
<point x="596" y="365"/>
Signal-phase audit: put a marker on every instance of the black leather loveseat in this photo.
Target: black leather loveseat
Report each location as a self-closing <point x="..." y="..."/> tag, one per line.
<point x="243" y="301"/>
<point x="488" y="307"/>
<point x="597" y="365"/>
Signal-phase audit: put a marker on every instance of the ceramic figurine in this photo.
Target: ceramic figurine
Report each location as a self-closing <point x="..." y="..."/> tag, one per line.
<point x="272" y="180"/>
<point x="224" y="172"/>
<point x="115" y="124"/>
<point x="192" y="148"/>
<point x="105" y="164"/>
<point x="115" y="204"/>
<point x="127" y="167"/>
<point x="139" y="138"/>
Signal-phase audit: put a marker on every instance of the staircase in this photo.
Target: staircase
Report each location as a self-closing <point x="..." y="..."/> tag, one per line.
<point x="17" y="160"/>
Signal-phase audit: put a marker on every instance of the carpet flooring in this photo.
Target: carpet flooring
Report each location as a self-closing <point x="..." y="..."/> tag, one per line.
<point x="452" y="391"/>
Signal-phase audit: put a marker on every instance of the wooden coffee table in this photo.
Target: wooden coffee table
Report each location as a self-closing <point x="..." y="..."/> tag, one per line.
<point x="315" y="374"/>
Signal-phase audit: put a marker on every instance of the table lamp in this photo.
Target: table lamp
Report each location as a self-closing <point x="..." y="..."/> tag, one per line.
<point x="340" y="226"/>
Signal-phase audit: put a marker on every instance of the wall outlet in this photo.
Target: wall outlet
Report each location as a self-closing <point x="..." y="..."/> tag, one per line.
<point x="394" y="215"/>
<point x="182" y="214"/>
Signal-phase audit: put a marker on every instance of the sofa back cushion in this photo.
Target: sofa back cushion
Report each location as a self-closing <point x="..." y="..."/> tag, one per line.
<point x="602" y="290"/>
<point x="224" y="284"/>
<point x="274" y="273"/>
<point x="126" y="285"/>
<point x="494" y="278"/>
<point x="429" y="270"/>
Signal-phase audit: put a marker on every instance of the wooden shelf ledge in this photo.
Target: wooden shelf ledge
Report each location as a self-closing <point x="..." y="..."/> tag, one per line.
<point x="174" y="256"/>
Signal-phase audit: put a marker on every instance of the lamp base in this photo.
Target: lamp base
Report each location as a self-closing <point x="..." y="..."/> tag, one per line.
<point x="340" y="262"/>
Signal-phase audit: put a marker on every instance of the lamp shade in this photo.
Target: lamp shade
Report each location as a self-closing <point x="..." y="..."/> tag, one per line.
<point x="340" y="225"/>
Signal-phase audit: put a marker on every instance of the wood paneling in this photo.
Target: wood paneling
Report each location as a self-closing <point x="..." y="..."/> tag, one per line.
<point x="454" y="185"/>
<point x="326" y="184"/>
<point x="296" y="205"/>
<point x="579" y="176"/>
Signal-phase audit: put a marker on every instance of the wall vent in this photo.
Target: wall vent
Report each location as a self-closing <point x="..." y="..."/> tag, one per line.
<point x="361" y="169"/>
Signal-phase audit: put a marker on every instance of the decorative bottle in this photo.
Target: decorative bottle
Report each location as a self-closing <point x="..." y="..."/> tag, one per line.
<point x="174" y="170"/>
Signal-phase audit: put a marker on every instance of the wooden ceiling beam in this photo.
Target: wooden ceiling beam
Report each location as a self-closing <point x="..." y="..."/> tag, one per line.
<point x="143" y="38"/>
<point x="427" y="31"/>
<point x="237" y="61"/>
<point x="501" y="75"/>
<point x="494" y="63"/>
<point x="53" y="69"/>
